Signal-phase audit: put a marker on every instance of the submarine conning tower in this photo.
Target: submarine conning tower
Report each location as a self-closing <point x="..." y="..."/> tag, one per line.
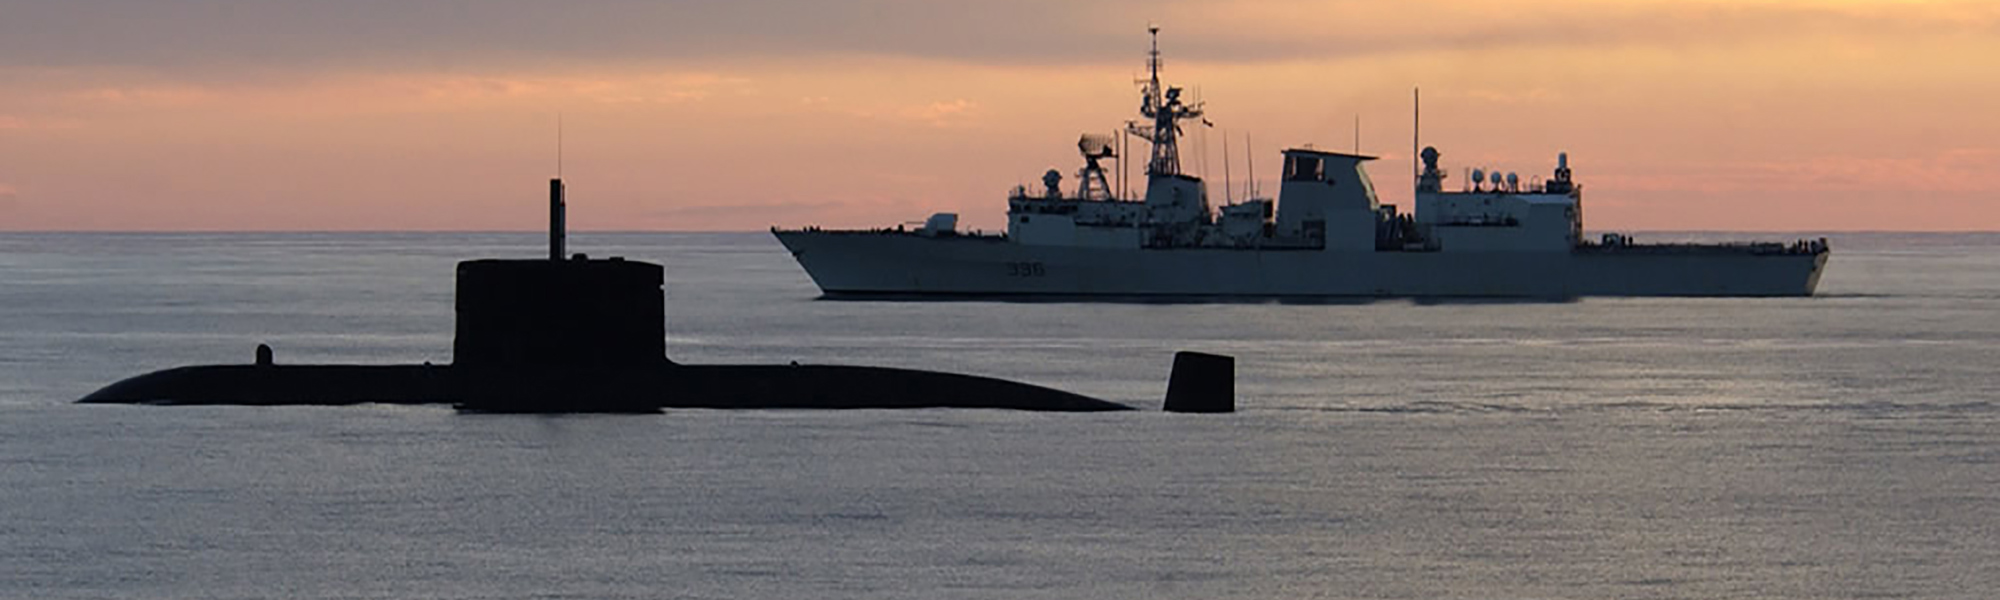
<point x="558" y="334"/>
<point x="561" y="312"/>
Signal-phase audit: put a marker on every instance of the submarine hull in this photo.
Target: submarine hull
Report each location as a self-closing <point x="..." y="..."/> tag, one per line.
<point x="584" y="389"/>
<point x="251" y="385"/>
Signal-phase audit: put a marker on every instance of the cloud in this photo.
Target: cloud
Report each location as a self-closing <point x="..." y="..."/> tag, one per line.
<point x="458" y="89"/>
<point x="671" y="89"/>
<point x="18" y="123"/>
<point x="144" y="95"/>
<point x="726" y="211"/>
<point x="1534" y="95"/>
<point x="442" y="35"/>
<point x="1955" y="170"/>
<point x="69" y="102"/>
<point x="942" y="114"/>
<point x="607" y="88"/>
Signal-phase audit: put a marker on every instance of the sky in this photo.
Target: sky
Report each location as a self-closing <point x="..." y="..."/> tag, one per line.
<point x="737" y="115"/>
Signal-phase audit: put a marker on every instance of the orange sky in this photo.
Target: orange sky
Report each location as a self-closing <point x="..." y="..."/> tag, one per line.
<point x="299" y="115"/>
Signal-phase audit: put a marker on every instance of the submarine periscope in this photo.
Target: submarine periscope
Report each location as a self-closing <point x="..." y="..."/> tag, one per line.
<point x="573" y="334"/>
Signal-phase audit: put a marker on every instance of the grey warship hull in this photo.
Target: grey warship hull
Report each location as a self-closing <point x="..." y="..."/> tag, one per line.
<point x="889" y="263"/>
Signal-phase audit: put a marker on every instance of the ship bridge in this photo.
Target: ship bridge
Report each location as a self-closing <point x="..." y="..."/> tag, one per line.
<point x="1326" y="196"/>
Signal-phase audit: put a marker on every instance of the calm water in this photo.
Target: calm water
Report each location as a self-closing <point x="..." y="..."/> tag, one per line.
<point x="1841" y="446"/>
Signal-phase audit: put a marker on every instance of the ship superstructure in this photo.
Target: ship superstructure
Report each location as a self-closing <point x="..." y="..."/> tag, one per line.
<point x="1326" y="235"/>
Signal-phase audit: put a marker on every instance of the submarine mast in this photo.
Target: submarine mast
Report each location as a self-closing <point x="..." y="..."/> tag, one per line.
<point x="558" y="229"/>
<point x="557" y="233"/>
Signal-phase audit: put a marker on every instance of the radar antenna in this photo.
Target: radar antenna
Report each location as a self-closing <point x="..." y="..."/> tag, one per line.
<point x="1095" y="147"/>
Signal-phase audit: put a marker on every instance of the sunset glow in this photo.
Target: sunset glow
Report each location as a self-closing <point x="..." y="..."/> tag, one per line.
<point x="1775" y="115"/>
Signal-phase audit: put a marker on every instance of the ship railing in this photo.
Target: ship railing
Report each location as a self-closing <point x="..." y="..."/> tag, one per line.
<point x="1805" y="247"/>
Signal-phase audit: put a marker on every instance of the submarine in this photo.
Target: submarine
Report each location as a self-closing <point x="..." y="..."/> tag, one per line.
<point x="574" y="334"/>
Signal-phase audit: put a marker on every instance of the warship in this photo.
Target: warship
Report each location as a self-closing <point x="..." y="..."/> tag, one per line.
<point x="1325" y="235"/>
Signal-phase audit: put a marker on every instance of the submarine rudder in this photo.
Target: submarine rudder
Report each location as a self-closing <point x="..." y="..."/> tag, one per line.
<point x="1201" y="383"/>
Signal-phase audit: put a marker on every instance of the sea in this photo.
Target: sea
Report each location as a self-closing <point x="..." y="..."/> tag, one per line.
<point x="1845" y="445"/>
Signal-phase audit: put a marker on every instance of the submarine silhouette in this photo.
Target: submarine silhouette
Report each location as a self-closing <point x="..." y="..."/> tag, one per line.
<point x="575" y="334"/>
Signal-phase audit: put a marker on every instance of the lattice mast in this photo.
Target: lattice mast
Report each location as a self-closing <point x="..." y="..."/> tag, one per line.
<point x="1163" y="105"/>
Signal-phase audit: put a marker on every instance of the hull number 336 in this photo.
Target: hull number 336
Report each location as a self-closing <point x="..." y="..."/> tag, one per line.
<point x="1026" y="269"/>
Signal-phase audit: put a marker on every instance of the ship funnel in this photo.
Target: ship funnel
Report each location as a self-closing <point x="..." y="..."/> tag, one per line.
<point x="940" y="224"/>
<point x="558" y="233"/>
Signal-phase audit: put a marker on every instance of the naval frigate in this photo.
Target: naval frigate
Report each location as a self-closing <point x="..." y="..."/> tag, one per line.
<point x="1325" y="235"/>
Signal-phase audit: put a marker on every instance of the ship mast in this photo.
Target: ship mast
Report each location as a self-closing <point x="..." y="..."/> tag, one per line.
<point x="1163" y="105"/>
